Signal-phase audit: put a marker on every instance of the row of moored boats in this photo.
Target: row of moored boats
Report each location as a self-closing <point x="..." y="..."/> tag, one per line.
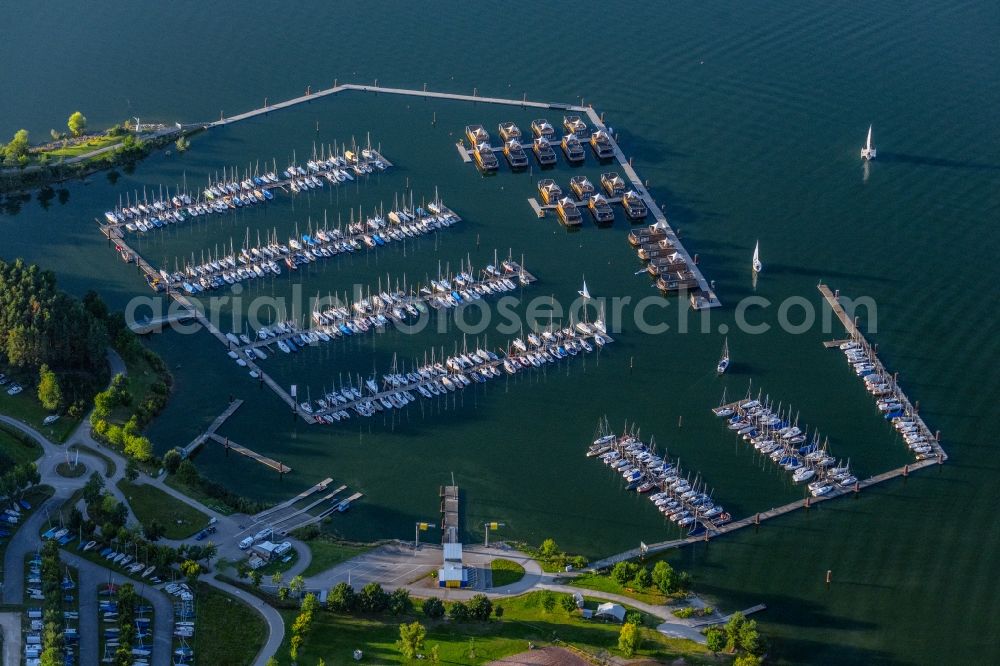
<point x="772" y="433"/>
<point x="456" y="372"/>
<point x="920" y="441"/>
<point x="679" y="499"/>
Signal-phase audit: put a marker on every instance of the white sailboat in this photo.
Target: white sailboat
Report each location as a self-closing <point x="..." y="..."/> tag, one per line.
<point x="584" y="292"/>
<point x="868" y="150"/>
<point x="724" y="360"/>
<point x="757" y="266"/>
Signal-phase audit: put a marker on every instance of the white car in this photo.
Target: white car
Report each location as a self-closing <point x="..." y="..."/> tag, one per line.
<point x="50" y="419"/>
<point x="14" y="390"/>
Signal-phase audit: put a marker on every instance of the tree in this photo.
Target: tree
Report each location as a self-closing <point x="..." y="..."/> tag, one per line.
<point x="309" y="604"/>
<point x="373" y="599"/>
<point x="568" y="603"/>
<point x="548" y="601"/>
<point x="411" y="639"/>
<point x="733" y="629"/>
<point x="341" y="598"/>
<point x="277" y="577"/>
<point x="498" y="611"/>
<point x="548" y="549"/>
<point x="272" y="661"/>
<point x="643" y="579"/>
<point x="458" y="612"/>
<point x="282" y="593"/>
<point x="17" y="148"/>
<point x="51" y="657"/>
<point x="190" y="570"/>
<point x="663" y="577"/>
<point x="628" y="639"/>
<point x="480" y="607"/>
<point x="296" y="643"/>
<point x="255" y="578"/>
<point x="715" y="639"/>
<point x="623" y="572"/>
<point x="747" y="660"/>
<point x="171" y="461"/>
<point x="131" y="471"/>
<point x="77" y="123"/>
<point x="296" y="585"/>
<point x="436" y="653"/>
<point x="433" y="608"/>
<point x="153" y="530"/>
<point x="93" y="489"/>
<point x="400" y="602"/>
<point x="749" y="638"/>
<point x="49" y="393"/>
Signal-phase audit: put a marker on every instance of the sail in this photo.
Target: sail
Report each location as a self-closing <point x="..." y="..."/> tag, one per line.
<point x="869" y="144"/>
<point x="756" y="258"/>
<point x="584" y="292"/>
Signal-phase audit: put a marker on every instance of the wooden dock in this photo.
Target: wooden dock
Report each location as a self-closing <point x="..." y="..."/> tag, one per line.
<point x="463" y="152"/>
<point x="851" y="326"/>
<point x="263" y="515"/>
<point x="253" y="455"/>
<point x="188" y="450"/>
<point x="158" y="323"/>
<point x="449" y="514"/>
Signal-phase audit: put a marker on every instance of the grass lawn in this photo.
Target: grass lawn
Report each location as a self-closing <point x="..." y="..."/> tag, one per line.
<point x="25" y="407"/>
<point x="141" y="376"/>
<point x="334" y="637"/>
<point x="110" y="466"/>
<point x="327" y="553"/>
<point x="197" y="495"/>
<point x="229" y="633"/>
<point x="81" y="148"/>
<point x="18" y="447"/>
<point x="178" y="519"/>
<point x="506" y="572"/>
<point x="70" y="471"/>
<point x="605" y="583"/>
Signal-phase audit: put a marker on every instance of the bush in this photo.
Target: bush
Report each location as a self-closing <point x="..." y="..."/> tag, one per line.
<point x="400" y="602"/>
<point x="715" y="639"/>
<point x="433" y="608"/>
<point x="373" y="599"/>
<point x="341" y="598"/>
<point x="458" y="612"/>
<point x="480" y="607"/>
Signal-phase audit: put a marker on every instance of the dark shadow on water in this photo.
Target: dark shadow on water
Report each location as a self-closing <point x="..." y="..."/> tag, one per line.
<point x="926" y="160"/>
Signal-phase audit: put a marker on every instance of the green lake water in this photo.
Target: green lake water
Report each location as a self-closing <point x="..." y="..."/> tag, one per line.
<point x="746" y="121"/>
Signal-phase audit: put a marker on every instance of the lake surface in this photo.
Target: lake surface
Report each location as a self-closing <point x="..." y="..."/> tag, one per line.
<point x="747" y="123"/>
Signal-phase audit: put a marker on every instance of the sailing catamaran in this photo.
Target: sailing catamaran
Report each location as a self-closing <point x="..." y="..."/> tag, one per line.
<point x="584" y="292"/>
<point x="757" y="266"/>
<point x="868" y="150"/>
<point x="724" y="360"/>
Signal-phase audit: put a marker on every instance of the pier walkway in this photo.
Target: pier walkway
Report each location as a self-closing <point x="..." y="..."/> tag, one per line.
<point x="219" y="420"/>
<point x="158" y="323"/>
<point x="253" y="455"/>
<point x="449" y="514"/>
<point x="267" y="514"/>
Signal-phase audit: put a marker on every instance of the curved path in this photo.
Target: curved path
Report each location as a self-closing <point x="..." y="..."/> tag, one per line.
<point x="275" y="624"/>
